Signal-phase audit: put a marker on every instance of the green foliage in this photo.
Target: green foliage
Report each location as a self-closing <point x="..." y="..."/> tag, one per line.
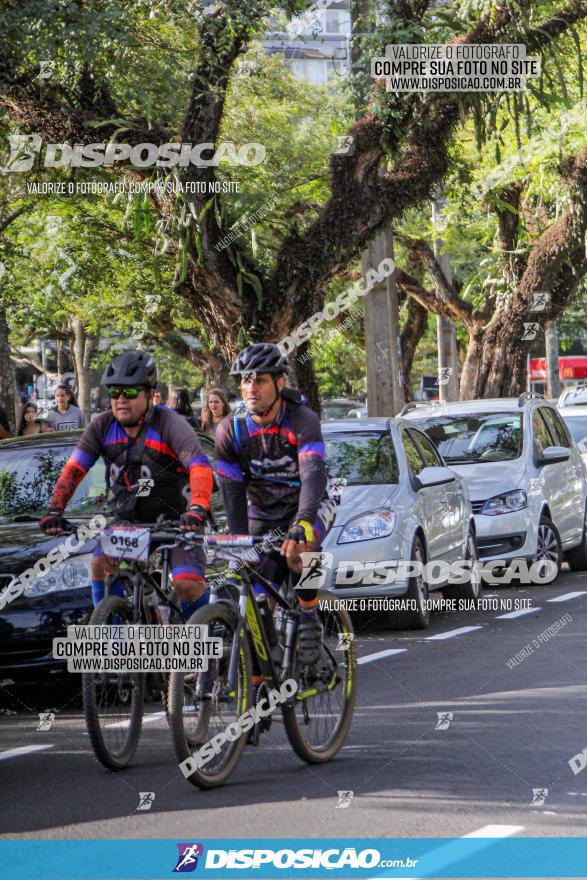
<point x="30" y="492"/>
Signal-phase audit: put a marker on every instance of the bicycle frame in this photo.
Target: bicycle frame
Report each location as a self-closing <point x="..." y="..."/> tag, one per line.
<point x="138" y="576"/>
<point x="250" y="617"/>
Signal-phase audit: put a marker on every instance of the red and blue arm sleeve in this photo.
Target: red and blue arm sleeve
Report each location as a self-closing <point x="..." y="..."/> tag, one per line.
<point x="311" y="462"/>
<point x="77" y="466"/>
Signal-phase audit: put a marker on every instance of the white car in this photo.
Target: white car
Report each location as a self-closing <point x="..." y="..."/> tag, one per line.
<point x="398" y="502"/>
<point x="575" y="396"/>
<point x="524" y="473"/>
<point x="575" y="418"/>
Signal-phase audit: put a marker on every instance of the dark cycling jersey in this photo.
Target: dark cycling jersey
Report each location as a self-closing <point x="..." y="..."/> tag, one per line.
<point x="279" y="468"/>
<point x="172" y="457"/>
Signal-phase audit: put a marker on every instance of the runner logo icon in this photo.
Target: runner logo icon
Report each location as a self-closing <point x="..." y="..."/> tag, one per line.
<point x="187" y="860"/>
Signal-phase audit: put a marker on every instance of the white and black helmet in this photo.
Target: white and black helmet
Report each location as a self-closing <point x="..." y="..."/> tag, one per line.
<point x="262" y="357"/>
<point x="131" y="368"/>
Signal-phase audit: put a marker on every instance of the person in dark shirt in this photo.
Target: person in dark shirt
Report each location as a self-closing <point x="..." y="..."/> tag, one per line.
<point x="172" y="459"/>
<point x="179" y="402"/>
<point x="4" y="425"/>
<point x="272" y="472"/>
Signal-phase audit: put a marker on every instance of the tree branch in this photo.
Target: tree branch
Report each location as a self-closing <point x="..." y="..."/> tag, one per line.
<point x="507" y="211"/>
<point x="4" y="224"/>
<point x="446" y="292"/>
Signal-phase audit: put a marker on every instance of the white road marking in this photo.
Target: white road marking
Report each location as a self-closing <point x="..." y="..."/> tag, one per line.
<point x="452" y="633"/>
<point x="567" y="596"/>
<point x="446" y="855"/>
<point x="23" y="750"/>
<point x="379" y="655"/>
<point x="521" y="613"/>
<point x="496" y="831"/>
<point x="155" y="716"/>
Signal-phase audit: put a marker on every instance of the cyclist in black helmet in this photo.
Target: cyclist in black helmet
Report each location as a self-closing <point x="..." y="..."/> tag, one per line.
<point x="141" y="441"/>
<point x="271" y="467"/>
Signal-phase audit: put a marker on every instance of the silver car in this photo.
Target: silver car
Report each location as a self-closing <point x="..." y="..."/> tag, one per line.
<point x="398" y="501"/>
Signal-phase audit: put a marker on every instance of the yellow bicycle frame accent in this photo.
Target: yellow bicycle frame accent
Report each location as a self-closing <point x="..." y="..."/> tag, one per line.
<point x="255" y="630"/>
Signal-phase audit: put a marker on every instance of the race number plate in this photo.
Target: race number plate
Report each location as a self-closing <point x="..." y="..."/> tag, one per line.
<point x="126" y="542"/>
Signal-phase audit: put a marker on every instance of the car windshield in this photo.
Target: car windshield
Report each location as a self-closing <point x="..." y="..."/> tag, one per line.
<point x="333" y="411"/>
<point x="27" y="477"/>
<point x="361" y="459"/>
<point x="476" y="437"/>
<point x="577" y="425"/>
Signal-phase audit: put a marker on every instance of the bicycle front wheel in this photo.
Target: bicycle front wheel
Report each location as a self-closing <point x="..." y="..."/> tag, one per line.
<point x="202" y="704"/>
<point x="320" y="714"/>
<point x="113" y="702"/>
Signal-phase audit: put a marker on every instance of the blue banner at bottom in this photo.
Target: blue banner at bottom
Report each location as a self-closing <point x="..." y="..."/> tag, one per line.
<point x="368" y="858"/>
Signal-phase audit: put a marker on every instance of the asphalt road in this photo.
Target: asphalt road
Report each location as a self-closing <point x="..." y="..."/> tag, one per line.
<point x="513" y="730"/>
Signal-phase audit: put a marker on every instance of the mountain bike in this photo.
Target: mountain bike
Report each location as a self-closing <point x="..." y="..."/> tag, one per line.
<point x="203" y="706"/>
<point x="114" y="702"/>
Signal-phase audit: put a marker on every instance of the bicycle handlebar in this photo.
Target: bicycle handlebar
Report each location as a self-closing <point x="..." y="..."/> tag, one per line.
<point x="219" y="539"/>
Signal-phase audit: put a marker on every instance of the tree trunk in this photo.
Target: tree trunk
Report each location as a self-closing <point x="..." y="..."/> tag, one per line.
<point x="413" y="330"/>
<point x="7" y="373"/>
<point x="216" y="371"/>
<point x="59" y="343"/>
<point x="502" y="360"/>
<point x="82" y="348"/>
<point x="471" y="366"/>
<point x="302" y="376"/>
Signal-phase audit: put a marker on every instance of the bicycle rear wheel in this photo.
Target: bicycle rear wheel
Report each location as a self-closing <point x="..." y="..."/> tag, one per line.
<point x="113" y="702"/>
<point x="321" y="712"/>
<point x="201" y="706"/>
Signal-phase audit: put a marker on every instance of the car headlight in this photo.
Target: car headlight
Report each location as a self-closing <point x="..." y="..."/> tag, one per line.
<point x="72" y="574"/>
<point x="505" y="503"/>
<point x="375" y="524"/>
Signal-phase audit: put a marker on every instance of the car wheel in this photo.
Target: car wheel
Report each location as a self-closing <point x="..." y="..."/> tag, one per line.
<point x="470" y="590"/>
<point x="417" y="615"/>
<point x="577" y="557"/>
<point x="549" y="549"/>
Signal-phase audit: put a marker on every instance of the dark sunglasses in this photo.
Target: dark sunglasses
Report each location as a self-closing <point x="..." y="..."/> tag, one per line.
<point x="129" y="392"/>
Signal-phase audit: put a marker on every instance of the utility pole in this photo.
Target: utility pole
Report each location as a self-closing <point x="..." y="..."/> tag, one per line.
<point x="448" y="362"/>
<point x="553" y="386"/>
<point x="385" y="393"/>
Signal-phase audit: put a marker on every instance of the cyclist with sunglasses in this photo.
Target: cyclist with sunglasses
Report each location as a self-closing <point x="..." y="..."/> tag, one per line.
<point x="272" y="472"/>
<point x="143" y="446"/>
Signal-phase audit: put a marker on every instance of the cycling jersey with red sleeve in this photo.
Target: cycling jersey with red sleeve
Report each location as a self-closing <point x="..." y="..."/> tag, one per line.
<point x="273" y="472"/>
<point x="172" y="457"/>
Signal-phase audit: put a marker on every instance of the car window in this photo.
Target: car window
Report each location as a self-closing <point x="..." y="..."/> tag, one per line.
<point x="361" y="459"/>
<point x="577" y="426"/>
<point x="552" y="419"/>
<point x="431" y="456"/>
<point x="542" y="438"/>
<point x="471" y="438"/>
<point x="28" y="475"/>
<point x="334" y="411"/>
<point x="415" y="460"/>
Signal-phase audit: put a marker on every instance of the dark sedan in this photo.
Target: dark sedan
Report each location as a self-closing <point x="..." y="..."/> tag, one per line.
<point x="29" y="468"/>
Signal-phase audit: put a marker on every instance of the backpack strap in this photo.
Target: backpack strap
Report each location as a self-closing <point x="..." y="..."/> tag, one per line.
<point x="134" y="451"/>
<point x="106" y="429"/>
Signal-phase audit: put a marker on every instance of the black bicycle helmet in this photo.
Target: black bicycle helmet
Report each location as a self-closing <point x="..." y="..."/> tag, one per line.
<point x="131" y="368"/>
<point x="262" y="357"/>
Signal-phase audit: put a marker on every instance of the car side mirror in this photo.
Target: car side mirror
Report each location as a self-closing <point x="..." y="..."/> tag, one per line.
<point x="434" y="476"/>
<point x="552" y="454"/>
